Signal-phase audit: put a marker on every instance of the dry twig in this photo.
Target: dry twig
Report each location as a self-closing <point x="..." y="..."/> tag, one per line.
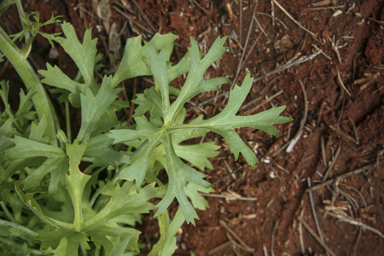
<point x="219" y="247"/>
<point x="261" y="28"/>
<point x="245" y="47"/>
<point x="292" y="62"/>
<point x="357" y="222"/>
<point x="297" y="23"/>
<point x="314" y="212"/>
<point x="381" y="22"/>
<point x="328" y="171"/>
<point x="313" y="233"/>
<point x="241" y="20"/>
<point x="233" y="242"/>
<point x="200" y="7"/>
<point x="337" y="179"/>
<point x="251" y="111"/>
<point x="232" y="172"/>
<point x="230" y="196"/>
<point x="357" y="242"/>
<point x="335" y="48"/>
<point x="302" y="246"/>
<point x="132" y="20"/>
<point x="145" y="18"/>
<point x="342" y="84"/>
<point x="297" y="136"/>
<point x="292" y="142"/>
<point x="354" y="130"/>
<point x="321" y="51"/>
<point x="265" y="250"/>
<point x="245" y="246"/>
<point x="343" y="134"/>
<point x="323" y="150"/>
<point x="265" y="14"/>
<point x="273" y="238"/>
<point x="273" y="12"/>
<point x="367" y="80"/>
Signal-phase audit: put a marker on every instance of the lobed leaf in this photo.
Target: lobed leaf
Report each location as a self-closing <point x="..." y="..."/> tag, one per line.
<point x="140" y="160"/>
<point x="123" y="202"/>
<point x="38" y="131"/>
<point x="34" y="206"/>
<point x="178" y="173"/>
<point x="26" y="148"/>
<point x="192" y="191"/>
<point x="57" y="166"/>
<point x="6" y="129"/>
<point x="194" y="83"/>
<point x="144" y="105"/>
<point x="93" y="107"/>
<point x="64" y="241"/>
<point x="225" y="122"/>
<point x="83" y="55"/>
<point x="120" y="246"/>
<point x="196" y="154"/>
<point x="5" y="231"/>
<point x="102" y="234"/>
<point x="4" y="91"/>
<point x="76" y="181"/>
<point x="100" y="148"/>
<point x="53" y="76"/>
<point x="157" y="63"/>
<point x="132" y="64"/>
<point x="166" y="246"/>
<point x="5" y="143"/>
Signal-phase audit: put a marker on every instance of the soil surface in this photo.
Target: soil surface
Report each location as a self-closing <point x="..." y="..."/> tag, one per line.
<point x="334" y="95"/>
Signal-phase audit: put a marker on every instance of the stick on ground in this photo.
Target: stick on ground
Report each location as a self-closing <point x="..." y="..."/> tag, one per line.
<point x="337" y="179"/>
<point x="313" y="233"/>
<point x="297" y="23"/>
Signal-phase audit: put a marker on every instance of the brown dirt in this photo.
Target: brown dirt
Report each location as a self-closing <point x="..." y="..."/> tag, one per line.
<point x="278" y="184"/>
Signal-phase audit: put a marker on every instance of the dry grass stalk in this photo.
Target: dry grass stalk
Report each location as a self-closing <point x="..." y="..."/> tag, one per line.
<point x="354" y="130"/>
<point x="244" y="245"/>
<point x="297" y="136"/>
<point x="300" y="227"/>
<point x="142" y="14"/>
<point x="368" y="80"/>
<point x="328" y="171"/>
<point x="337" y="179"/>
<point x="245" y="47"/>
<point x="321" y="51"/>
<point x="357" y="222"/>
<point x="323" y="3"/>
<point x="219" y="248"/>
<point x="251" y="111"/>
<point x="312" y="232"/>
<point x="314" y="212"/>
<point x="342" y="84"/>
<point x="289" y="16"/>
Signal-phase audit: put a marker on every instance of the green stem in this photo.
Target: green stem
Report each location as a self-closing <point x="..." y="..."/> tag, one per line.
<point x="27" y="47"/>
<point x="18" y="227"/>
<point x="18" y="247"/>
<point x="68" y="121"/>
<point x="83" y="250"/>
<point x="97" y="251"/>
<point x="17" y="165"/>
<point x="40" y="99"/>
<point x="7" y="213"/>
<point x="22" y="14"/>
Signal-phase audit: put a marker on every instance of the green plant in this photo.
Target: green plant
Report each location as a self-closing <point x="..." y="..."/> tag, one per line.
<point x="50" y="206"/>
